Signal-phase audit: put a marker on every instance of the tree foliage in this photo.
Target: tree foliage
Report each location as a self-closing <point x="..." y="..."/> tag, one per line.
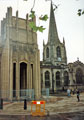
<point x="32" y="24"/>
<point x="32" y="16"/>
<point x="80" y="12"/>
<point x="42" y="18"/>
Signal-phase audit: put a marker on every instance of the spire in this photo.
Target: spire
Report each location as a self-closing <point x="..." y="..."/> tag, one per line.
<point x="53" y="35"/>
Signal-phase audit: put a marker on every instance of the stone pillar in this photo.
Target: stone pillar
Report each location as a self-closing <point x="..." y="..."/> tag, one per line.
<point x="11" y="76"/>
<point x="17" y="80"/>
<point x="29" y="86"/>
<point x="36" y="74"/>
<point x="28" y="76"/>
<point x="43" y="79"/>
<point x="54" y="82"/>
<point x="62" y="78"/>
<point x="31" y="77"/>
<point x="50" y="80"/>
<point x="71" y="78"/>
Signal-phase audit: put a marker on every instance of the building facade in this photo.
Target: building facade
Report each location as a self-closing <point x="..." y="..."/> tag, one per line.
<point x="19" y="57"/>
<point x="76" y="73"/>
<point x="54" y="64"/>
<point x="20" y="65"/>
<point x="55" y="72"/>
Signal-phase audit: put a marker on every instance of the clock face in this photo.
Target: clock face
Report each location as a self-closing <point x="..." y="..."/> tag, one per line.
<point x="59" y="58"/>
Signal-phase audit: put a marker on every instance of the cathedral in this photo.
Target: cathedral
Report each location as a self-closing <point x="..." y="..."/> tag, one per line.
<point x="20" y="65"/>
<point x="56" y="74"/>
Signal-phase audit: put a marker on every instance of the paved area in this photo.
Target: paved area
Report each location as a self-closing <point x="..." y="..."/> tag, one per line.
<point x="57" y="108"/>
<point x="73" y="116"/>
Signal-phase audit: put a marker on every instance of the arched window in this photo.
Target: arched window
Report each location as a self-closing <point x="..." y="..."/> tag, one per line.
<point x="47" y="79"/>
<point x="47" y="52"/>
<point x="66" y="78"/>
<point x="58" y="52"/>
<point x="79" y="76"/>
<point x="58" y="78"/>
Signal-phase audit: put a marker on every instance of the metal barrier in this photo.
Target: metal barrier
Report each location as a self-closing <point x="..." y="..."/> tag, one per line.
<point x="45" y="92"/>
<point x="27" y="94"/>
<point x="38" y="108"/>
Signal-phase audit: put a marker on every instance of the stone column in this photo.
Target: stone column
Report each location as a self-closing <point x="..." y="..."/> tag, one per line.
<point x="71" y="78"/>
<point x="29" y="86"/>
<point x="11" y="79"/>
<point x="18" y="80"/>
<point x="31" y="79"/>
<point x="28" y="76"/>
<point x="62" y="78"/>
<point x="54" y="82"/>
<point x="43" y="79"/>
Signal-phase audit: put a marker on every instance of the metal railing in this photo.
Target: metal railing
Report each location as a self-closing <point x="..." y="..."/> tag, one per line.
<point x="15" y="94"/>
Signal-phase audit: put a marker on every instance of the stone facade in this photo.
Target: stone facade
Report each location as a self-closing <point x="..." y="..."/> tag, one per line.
<point x="76" y="73"/>
<point x="20" y="64"/>
<point x="19" y="56"/>
<point x="55" y="72"/>
<point x="54" y="64"/>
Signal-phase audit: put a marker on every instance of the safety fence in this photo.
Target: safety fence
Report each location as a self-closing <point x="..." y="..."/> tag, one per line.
<point x="45" y="92"/>
<point x="28" y="94"/>
<point x="15" y="94"/>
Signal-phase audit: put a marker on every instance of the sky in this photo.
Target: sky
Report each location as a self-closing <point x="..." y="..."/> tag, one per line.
<point x="69" y="24"/>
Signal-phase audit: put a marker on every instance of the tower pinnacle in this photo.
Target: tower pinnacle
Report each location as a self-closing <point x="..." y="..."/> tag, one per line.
<point x="53" y="35"/>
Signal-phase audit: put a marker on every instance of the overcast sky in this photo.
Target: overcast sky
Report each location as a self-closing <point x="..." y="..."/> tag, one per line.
<point x="69" y="25"/>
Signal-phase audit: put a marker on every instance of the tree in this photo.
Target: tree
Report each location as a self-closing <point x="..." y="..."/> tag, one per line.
<point x="80" y="12"/>
<point x="32" y="16"/>
<point x="42" y="18"/>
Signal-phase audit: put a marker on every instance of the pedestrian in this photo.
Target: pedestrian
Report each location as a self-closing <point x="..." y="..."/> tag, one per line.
<point x="68" y="92"/>
<point x="78" y="95"/>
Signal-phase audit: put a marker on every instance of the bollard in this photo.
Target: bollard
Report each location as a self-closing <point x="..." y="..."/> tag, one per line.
<point x="25" y="104"/>
<point x="1" y="103"/>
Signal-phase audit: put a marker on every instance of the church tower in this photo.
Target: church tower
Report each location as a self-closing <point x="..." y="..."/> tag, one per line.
<point x="54" y="51"/>
<point x="54" y="64"/>
<point x="19" y="59"/>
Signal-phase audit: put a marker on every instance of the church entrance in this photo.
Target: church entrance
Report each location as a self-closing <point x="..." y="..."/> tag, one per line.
<point x="23" y="76"/>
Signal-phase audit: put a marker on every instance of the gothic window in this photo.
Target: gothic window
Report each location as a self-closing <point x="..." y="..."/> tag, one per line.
<point x="66" y="78"/>
<point x="58" y="78"/>
<point x="58" y="52"/>
<point x="47" y="79"/>
<point x="47" y="52"/>
<point x="79" y="76"/>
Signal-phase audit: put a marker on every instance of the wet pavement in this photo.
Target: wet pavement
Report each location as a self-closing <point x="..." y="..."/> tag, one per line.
<point x="62" y="116"/>
<point x="56" y="108"/>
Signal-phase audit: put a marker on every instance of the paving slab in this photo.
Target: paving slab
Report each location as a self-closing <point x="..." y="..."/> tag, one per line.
<point x="60" y="108"/>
